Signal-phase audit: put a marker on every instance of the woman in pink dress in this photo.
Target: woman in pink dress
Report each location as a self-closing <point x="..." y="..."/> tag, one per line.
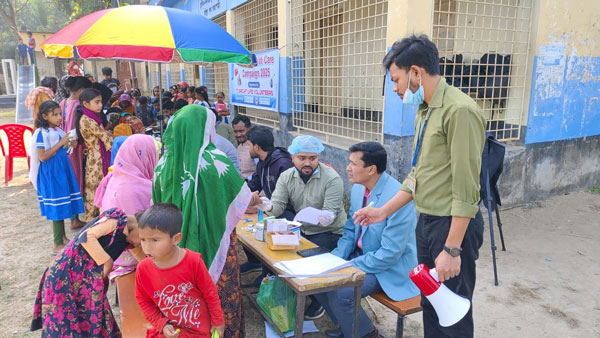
<point x="129" y="187"/>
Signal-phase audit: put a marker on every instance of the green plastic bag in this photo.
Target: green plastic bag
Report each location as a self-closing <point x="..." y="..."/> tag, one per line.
<point x="279" y="302"/>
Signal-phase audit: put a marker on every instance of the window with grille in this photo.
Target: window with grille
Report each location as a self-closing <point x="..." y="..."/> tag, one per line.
<point x="337" y="49"/>
<point x="216" y="73"/>
<point x="483" y="48"/>
<point x="255" y="25"/>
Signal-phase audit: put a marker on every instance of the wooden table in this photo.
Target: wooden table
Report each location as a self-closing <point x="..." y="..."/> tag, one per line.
<point x="302" y="287"/>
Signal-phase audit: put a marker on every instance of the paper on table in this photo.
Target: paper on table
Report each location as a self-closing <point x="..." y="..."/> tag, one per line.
<point x="309" y="326"/>
<point x="313" y="265"/>
<point x="311" y="215"/>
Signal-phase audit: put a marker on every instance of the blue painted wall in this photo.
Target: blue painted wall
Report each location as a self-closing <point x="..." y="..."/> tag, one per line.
<point x="399" y="118"/>
<point x="285" y="85"/>
<point x="565" y="99"/>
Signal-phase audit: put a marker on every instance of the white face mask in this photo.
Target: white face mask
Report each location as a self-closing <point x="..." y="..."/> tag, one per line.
<point x="416" y="97"/>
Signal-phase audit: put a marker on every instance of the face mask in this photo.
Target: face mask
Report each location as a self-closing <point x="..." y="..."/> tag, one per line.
<point x="413" y="98"/>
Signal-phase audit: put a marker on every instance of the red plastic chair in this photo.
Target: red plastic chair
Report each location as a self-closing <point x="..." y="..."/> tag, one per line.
<point x="15" y="147"/>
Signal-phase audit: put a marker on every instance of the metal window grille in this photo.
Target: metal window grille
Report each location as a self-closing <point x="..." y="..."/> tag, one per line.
<point x="255" y="26"/>
<point x="337" y="76"/>
<point x="216" y="73"/>
<point x="483" y="48"/>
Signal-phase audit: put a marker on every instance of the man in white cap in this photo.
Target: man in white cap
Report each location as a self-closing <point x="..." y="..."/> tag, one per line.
<point x="310" y="183"/>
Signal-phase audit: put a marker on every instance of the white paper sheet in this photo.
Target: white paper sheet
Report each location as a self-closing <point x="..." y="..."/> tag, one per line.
<point x="311" y="215"/>
<point x="313" y="265"/>
<point x="309" y="326"/>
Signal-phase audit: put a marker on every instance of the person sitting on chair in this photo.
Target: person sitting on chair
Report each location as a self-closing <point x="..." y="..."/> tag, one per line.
<point x="386" y="251"/>
<point x="310" y="184"/>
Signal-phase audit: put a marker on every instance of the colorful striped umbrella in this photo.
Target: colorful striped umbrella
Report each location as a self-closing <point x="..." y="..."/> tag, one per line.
<point x="146" y="33"/>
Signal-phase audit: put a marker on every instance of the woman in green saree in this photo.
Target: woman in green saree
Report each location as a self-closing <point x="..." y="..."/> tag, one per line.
<point x="212" y="196"/>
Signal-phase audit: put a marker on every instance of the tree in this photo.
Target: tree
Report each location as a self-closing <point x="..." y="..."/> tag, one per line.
<point x="9" y="11"/>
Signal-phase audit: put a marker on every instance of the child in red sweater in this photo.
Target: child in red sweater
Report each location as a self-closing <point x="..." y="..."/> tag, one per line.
<point x="172" y="285"/>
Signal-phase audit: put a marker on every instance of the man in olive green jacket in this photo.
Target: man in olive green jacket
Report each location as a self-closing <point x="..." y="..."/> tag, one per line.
<point x="310" y="184"/>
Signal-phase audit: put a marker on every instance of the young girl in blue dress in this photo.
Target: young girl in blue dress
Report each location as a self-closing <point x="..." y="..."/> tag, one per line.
<point x="51" y="172"/>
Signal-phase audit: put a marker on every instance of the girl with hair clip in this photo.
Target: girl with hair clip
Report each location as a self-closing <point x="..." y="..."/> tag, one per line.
<point x="51" y="173"/>
<point x="98" y="143"/>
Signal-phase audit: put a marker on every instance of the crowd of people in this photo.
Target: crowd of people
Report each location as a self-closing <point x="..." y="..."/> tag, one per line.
<point x="171" y="217"/>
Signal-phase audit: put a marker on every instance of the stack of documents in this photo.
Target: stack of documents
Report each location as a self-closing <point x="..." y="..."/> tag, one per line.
<point x="314" y="265"/>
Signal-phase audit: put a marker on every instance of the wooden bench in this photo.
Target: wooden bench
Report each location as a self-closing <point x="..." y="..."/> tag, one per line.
<point x="402" y="308"/>
<point x="133" y="323"/>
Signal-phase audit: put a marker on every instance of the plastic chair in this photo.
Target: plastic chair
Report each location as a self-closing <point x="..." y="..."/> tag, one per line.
<point x="15" y="137"/>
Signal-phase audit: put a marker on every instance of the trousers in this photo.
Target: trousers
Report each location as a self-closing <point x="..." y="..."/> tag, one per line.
<point x="431" y="234"/>
<point x="339" y="305"/>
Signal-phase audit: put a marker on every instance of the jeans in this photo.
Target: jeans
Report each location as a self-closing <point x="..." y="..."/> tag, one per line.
<point x="339" y="305"/>
<point x="431" y="234"/>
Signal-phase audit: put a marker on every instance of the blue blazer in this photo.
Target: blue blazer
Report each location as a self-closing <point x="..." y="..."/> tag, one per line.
<point x="389" y="247"/>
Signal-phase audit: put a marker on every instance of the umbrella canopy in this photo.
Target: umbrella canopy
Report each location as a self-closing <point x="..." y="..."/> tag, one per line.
<point x="146" y="33"/>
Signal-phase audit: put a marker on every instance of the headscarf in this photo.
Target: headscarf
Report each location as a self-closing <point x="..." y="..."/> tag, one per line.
<point x="117" y="142"/>
<point x="122" y="129"/>
<point x="129" y="185"/>
<point x="104" y="154"/>
<point x="62" y="92"/>
<point x="202" y="182"/>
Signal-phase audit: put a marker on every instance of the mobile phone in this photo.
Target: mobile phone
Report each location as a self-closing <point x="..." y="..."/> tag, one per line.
<point x="312" y="251"/>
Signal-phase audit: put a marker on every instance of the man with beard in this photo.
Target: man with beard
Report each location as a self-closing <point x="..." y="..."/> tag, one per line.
<point x="310" y="184"/>
<point x="241" y="126"/>
<point x="272" y="163"/>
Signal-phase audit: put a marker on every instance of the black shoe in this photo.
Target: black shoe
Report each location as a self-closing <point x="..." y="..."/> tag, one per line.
<point x="334" y="333"/>
<point x="314" y="311"/>
<point x="250" y="267"/>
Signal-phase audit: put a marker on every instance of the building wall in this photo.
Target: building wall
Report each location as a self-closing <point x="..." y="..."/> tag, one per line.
<point x="565" y="91"/>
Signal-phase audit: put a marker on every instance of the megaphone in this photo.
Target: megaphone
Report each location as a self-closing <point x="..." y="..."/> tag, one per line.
<point x="450" y="307"/>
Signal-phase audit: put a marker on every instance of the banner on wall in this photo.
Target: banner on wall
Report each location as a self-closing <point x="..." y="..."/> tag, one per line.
<point x="256" y="87"/>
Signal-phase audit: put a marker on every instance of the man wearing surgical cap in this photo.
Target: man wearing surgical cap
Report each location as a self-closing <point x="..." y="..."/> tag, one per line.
<point x="310" y="183"/>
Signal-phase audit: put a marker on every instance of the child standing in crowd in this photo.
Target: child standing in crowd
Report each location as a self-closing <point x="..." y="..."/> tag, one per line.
<point x="98" y="142"/>
<point x="31" y="47"/>
<point x="191" y="93"/>
<point x="201" y="97"/>
<point x="221" y="107"/>
<point x="109" y="80"/>
<point x="144" y="112"/>
<point x="71" y="300"/>
<point x="171" y="272"/>
<point x="51" y="173"/>
<point x="22" y="50"/>
<point x="155" y="94"/>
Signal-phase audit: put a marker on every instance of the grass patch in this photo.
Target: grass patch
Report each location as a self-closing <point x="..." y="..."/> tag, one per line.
<point x="595" y="190"/>
<point x="7" y="113"/>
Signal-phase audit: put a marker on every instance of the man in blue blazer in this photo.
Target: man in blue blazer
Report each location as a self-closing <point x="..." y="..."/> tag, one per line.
<point x="386" y="251"/>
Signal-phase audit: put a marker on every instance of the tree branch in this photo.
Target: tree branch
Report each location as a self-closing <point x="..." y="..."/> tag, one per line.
<point x="20" y="9"/>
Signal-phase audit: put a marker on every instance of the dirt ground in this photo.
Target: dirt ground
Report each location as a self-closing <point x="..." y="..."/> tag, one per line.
<point x="549" y="275"/>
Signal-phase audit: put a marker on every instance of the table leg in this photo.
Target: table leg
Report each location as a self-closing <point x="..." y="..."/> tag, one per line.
<point x="357" y="290"/>
<point x="300" y="301"/>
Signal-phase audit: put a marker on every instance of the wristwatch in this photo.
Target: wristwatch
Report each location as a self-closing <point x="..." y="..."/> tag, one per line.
<point x="454" y="252"/>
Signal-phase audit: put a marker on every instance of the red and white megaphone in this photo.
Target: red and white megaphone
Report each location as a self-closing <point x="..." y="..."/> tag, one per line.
<point x="450" y="307"/>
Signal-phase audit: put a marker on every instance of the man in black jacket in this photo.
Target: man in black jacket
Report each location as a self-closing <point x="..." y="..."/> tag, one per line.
<point x="272" y="163"/>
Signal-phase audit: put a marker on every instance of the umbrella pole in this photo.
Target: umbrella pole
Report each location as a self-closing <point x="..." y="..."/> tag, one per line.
<point x="160" y="113"/>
